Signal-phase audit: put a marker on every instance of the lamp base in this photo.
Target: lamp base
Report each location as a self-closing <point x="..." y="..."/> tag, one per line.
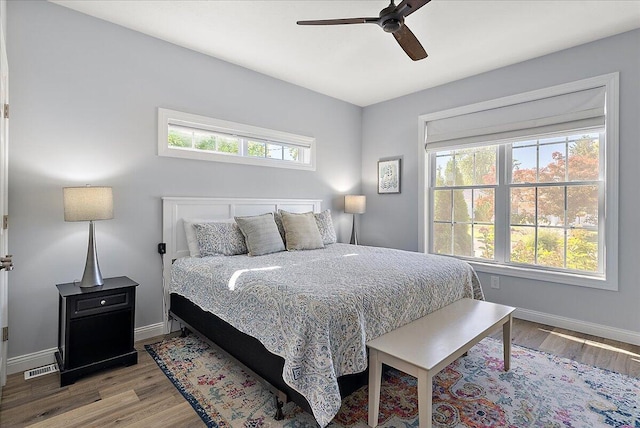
<point x="91" y="277"/>
<point x="89" y="284"/>
<point x="354" y="234"/>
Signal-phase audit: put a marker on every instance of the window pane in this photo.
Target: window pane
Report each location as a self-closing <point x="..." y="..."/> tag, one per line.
<point x="582" y="250"/>
<point x="215" y="142"/>
<point x="444" y="171"/>
<point x="483" y="241"/>
<point x="442" y="205"/>
<point x="462" y="205"/>
<point x="204" y="141"/>
<point x="179" y="137"/>
<point x="274" y="151"/>
<point x="485" y="172"/>
<point x="582" y="205"/>
<point x="292" y="153"/>
<point x="551" y="206"/>
<point x="257" y="149"/>
<point x="483" y="205"/>
<point x="442" y="235"/>
<point x="523" y="205"/>
<point x="523" y="241"/>
<point x="584" y="157"/>
<point x="227" y="144"/>
<point x="552" y="163"/>
<point x="550" y="247"/>
<point x="524" y="165"/>
<point x="464" y="163"/>
<point x="462" y="240"/>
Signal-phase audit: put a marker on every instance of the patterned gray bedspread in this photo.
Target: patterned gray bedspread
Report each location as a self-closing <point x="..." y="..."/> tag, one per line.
<point x="318" y="308"/>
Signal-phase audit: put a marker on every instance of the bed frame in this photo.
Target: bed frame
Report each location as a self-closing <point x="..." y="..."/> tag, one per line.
<point x="248" y="351"/>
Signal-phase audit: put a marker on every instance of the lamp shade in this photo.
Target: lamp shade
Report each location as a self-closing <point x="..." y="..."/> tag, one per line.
<point x="355" y="204"/>
<point x="88" y="203"/>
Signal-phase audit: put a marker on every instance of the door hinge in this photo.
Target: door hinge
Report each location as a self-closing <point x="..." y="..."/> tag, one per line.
<point x="5" y="221"/>
<point x="5" y="333"/>
<point x="5" y="111"/>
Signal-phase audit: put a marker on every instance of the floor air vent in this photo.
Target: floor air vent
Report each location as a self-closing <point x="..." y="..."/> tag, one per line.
<point x="40" y="371"/>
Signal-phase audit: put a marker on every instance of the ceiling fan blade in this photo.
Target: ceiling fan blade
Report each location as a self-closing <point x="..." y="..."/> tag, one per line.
<point x="340" y="21"/>
<point x="407" y="7"/>
<point x="409" y="43"/>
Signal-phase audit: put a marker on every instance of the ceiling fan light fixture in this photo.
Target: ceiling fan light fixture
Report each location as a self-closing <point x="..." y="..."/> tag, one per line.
<point x="392" y="25"/>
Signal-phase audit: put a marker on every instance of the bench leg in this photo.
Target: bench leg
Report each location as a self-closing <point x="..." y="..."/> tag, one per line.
<point x="506" y="343"/>
<point x="375" y="380"/>
<point x="425" y="387"/>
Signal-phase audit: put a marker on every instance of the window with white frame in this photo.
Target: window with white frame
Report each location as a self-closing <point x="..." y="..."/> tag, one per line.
<point x="527" y="185"/>
<point x="192" y="136"/>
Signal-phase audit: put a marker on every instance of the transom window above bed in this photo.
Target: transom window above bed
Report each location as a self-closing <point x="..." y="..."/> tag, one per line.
<point x="528" y="188"/>
<point x="186" y="135"/>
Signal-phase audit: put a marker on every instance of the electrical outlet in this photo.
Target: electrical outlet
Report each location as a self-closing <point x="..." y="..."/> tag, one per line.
<point x="495" y="282"/>
<point x="162" y="248"/>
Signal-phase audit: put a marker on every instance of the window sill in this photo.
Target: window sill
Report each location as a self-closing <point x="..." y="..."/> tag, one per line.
<point x="546" y="276"/>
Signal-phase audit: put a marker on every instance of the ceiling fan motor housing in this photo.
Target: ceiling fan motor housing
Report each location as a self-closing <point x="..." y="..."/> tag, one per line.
<point x="390" y="20"/>
<point x="392" y="25"/>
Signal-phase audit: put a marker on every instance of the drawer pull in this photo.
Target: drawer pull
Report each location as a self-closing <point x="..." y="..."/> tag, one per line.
<point x="102" y="302"/>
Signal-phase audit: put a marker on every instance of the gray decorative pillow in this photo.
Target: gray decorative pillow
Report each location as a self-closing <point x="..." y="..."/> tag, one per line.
<point x="301" y="231"/>
<point x="190" y="232"/>
<point x="325" y="226"/>
<point x="261" y="234"/>
<point x="215" y="239"/>
<point x="278" y="218"/>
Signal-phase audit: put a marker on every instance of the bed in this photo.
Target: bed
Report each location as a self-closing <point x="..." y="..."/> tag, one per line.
<point x="300" y="319"/>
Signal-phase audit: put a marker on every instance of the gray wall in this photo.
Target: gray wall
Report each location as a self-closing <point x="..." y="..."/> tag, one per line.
<point x="390" y="129"/>
<point x="84" y="95"/>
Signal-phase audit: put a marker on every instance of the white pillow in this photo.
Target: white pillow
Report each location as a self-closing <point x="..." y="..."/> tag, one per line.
<point x="190" y="232"/>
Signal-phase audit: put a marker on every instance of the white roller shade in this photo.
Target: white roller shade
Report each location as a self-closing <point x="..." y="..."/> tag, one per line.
<point x="574" y="110"/>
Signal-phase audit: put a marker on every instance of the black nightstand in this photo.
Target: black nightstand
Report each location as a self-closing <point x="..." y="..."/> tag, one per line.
<point x="95" y="327"/>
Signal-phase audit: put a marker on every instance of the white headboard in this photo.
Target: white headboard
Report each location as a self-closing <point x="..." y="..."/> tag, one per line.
<point x="174" y="209"/>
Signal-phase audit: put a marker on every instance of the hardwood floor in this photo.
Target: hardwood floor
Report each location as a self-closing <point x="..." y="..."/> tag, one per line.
<point x="142" y="396"/>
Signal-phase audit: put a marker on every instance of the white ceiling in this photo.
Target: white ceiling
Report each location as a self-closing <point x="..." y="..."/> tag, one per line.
<point x="360" y="63"/>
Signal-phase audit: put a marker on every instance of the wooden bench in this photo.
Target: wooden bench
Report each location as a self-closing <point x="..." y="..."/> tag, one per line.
<point x="427" y="345"/>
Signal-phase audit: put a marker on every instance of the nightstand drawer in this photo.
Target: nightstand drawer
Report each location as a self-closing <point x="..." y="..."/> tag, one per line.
<point x="107" y="302"/>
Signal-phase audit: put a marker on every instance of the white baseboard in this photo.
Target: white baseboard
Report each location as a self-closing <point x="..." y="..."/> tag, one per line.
<point x="148" y="331"/>
<point x="626" y="336"/>
<point x="25" y="362"/>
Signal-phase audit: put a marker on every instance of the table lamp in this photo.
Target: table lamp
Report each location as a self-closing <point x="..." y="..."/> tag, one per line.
<point x="89" y="204"/>
<point x="355" y="204"/>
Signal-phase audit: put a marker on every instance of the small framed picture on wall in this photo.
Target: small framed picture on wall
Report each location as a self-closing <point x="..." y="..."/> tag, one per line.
<point x="389" y="176"/>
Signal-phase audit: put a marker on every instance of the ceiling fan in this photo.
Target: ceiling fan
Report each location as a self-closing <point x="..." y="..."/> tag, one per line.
<point x="391" y="19"/>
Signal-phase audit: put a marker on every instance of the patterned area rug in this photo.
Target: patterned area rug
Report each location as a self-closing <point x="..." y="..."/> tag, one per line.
<point x="541" y="390"/>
